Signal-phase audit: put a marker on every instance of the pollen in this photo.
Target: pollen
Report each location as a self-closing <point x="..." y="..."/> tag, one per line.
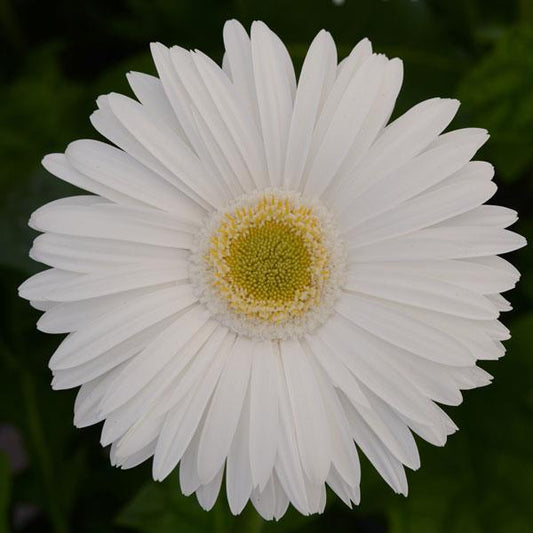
<point x="267" y="263"/>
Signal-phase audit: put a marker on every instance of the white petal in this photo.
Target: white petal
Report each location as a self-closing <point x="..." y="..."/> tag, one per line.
<point x="415" y="336"/>
<point x="344" y="455"/>
<point x="224" y="412"/>
<point x="337" y="373"/>
<point x="168" y="148"/>
<point x="391" y="430"/>
<point x="42" y="305"/>
<point x="186" y="373"/>
<point x="432" y="434"/>
<point x="308" y="411"/>
<point x="137" y="458"/>
<point x="239" y="59"/>
<point x="106" y="122"/>
<point x="264" y="417"/>
<point x="343" y="490"/>
<point x="352" y="64"/>
<point x="176" y="94"/>
<point x="113" y="328"/>
<point x="207" y="494"/>
<point x="282" y="501"/>
<point x="479" y="336"/>
<point x="498" y="263"/>
<point x="374" y="123"/>
<point x="271" y="502"/>
<point x="399" y="142"/>
<point x="150" y="92"/>
<point x="216" y="148"/>
<point x="355" y="58"/>
<point x="113" y="222"/>
<point x="457" y="137"/>
<point x="441" y="243"/>
<point x="435" y="432"/>
<point x="275" y="85"/>
<point x="419" y="291"/>
<point x="473" y="170"/>
<point x="237" y="126"/>
<point x="501" y="303"/>
<point x="77" y="201"/>
<point x="476" y="277"/>
<point x="432" y="380"/>
<point x="141" y="434"/>
<point x="288" y="463"/>
<point x="151" y="394"/>
<point x="59" y="166"/>
<point x="420" y="173"/>
<point x="119" y="171"/>
<point x="389" y="467"/>
<point x="238" y="471"/>
<point x="473" y="334"/>
<point x="86" y="254"/>
<point x="117" y="280"/>
<point x="183" y="420"/>
<point x="189" y="480"/>
<point x="493" y="216"/>
<point x="71" y="316"/>
<point x="422" y="211"/>
<point x="354" y="347"/>
<point x="169" y="346"/>
<point x="89" y="396"/>
<point x="316" y="494"/>
<point x="264" y="500"/>
<point x="471" y="378"/>
<point x="316" y="78"/>
<point x="109" y="359"/>
<point x="348" y="119"/>
<point x="40" y="285"/>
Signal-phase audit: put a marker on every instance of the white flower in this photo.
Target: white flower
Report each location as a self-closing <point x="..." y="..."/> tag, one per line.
<point x="267" y="272"/>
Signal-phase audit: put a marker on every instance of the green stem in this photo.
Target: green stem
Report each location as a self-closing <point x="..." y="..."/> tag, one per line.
<point x="40" y="446"/>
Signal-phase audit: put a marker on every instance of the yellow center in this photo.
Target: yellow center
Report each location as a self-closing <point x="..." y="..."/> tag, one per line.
<point x="270" y="262"/>
<point x="268" y="259"/>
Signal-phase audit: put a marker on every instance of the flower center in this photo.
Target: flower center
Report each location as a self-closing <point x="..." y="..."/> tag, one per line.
<point x="267" y="265"/>
<point x="269" y="262"/>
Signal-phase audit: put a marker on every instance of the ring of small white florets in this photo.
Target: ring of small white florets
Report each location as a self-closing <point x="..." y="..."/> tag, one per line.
<point x="269" y="265"/>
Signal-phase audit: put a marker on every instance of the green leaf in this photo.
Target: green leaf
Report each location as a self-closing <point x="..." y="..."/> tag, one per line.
<point x="498" y="95"/>
<point x="161" y="508"/>
<point x="44" y="111"/>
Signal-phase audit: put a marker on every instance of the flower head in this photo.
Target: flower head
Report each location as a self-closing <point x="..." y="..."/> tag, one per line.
<point x="268" y="278"/>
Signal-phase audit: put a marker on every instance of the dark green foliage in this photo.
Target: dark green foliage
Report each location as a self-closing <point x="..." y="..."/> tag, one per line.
<point x="57" y="57"/>
<point x="498" y="93"/>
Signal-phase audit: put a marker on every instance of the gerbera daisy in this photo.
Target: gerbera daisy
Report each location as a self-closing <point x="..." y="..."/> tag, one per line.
<point x="268" y="279"/>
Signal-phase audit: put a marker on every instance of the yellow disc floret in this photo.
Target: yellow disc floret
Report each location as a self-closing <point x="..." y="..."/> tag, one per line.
<point x="268" y="259"/>
<point x="270" y="265"/>
<point x="270" y="262"/>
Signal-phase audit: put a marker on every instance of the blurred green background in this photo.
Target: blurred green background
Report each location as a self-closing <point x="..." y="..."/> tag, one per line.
<point x="56" y="57"/>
